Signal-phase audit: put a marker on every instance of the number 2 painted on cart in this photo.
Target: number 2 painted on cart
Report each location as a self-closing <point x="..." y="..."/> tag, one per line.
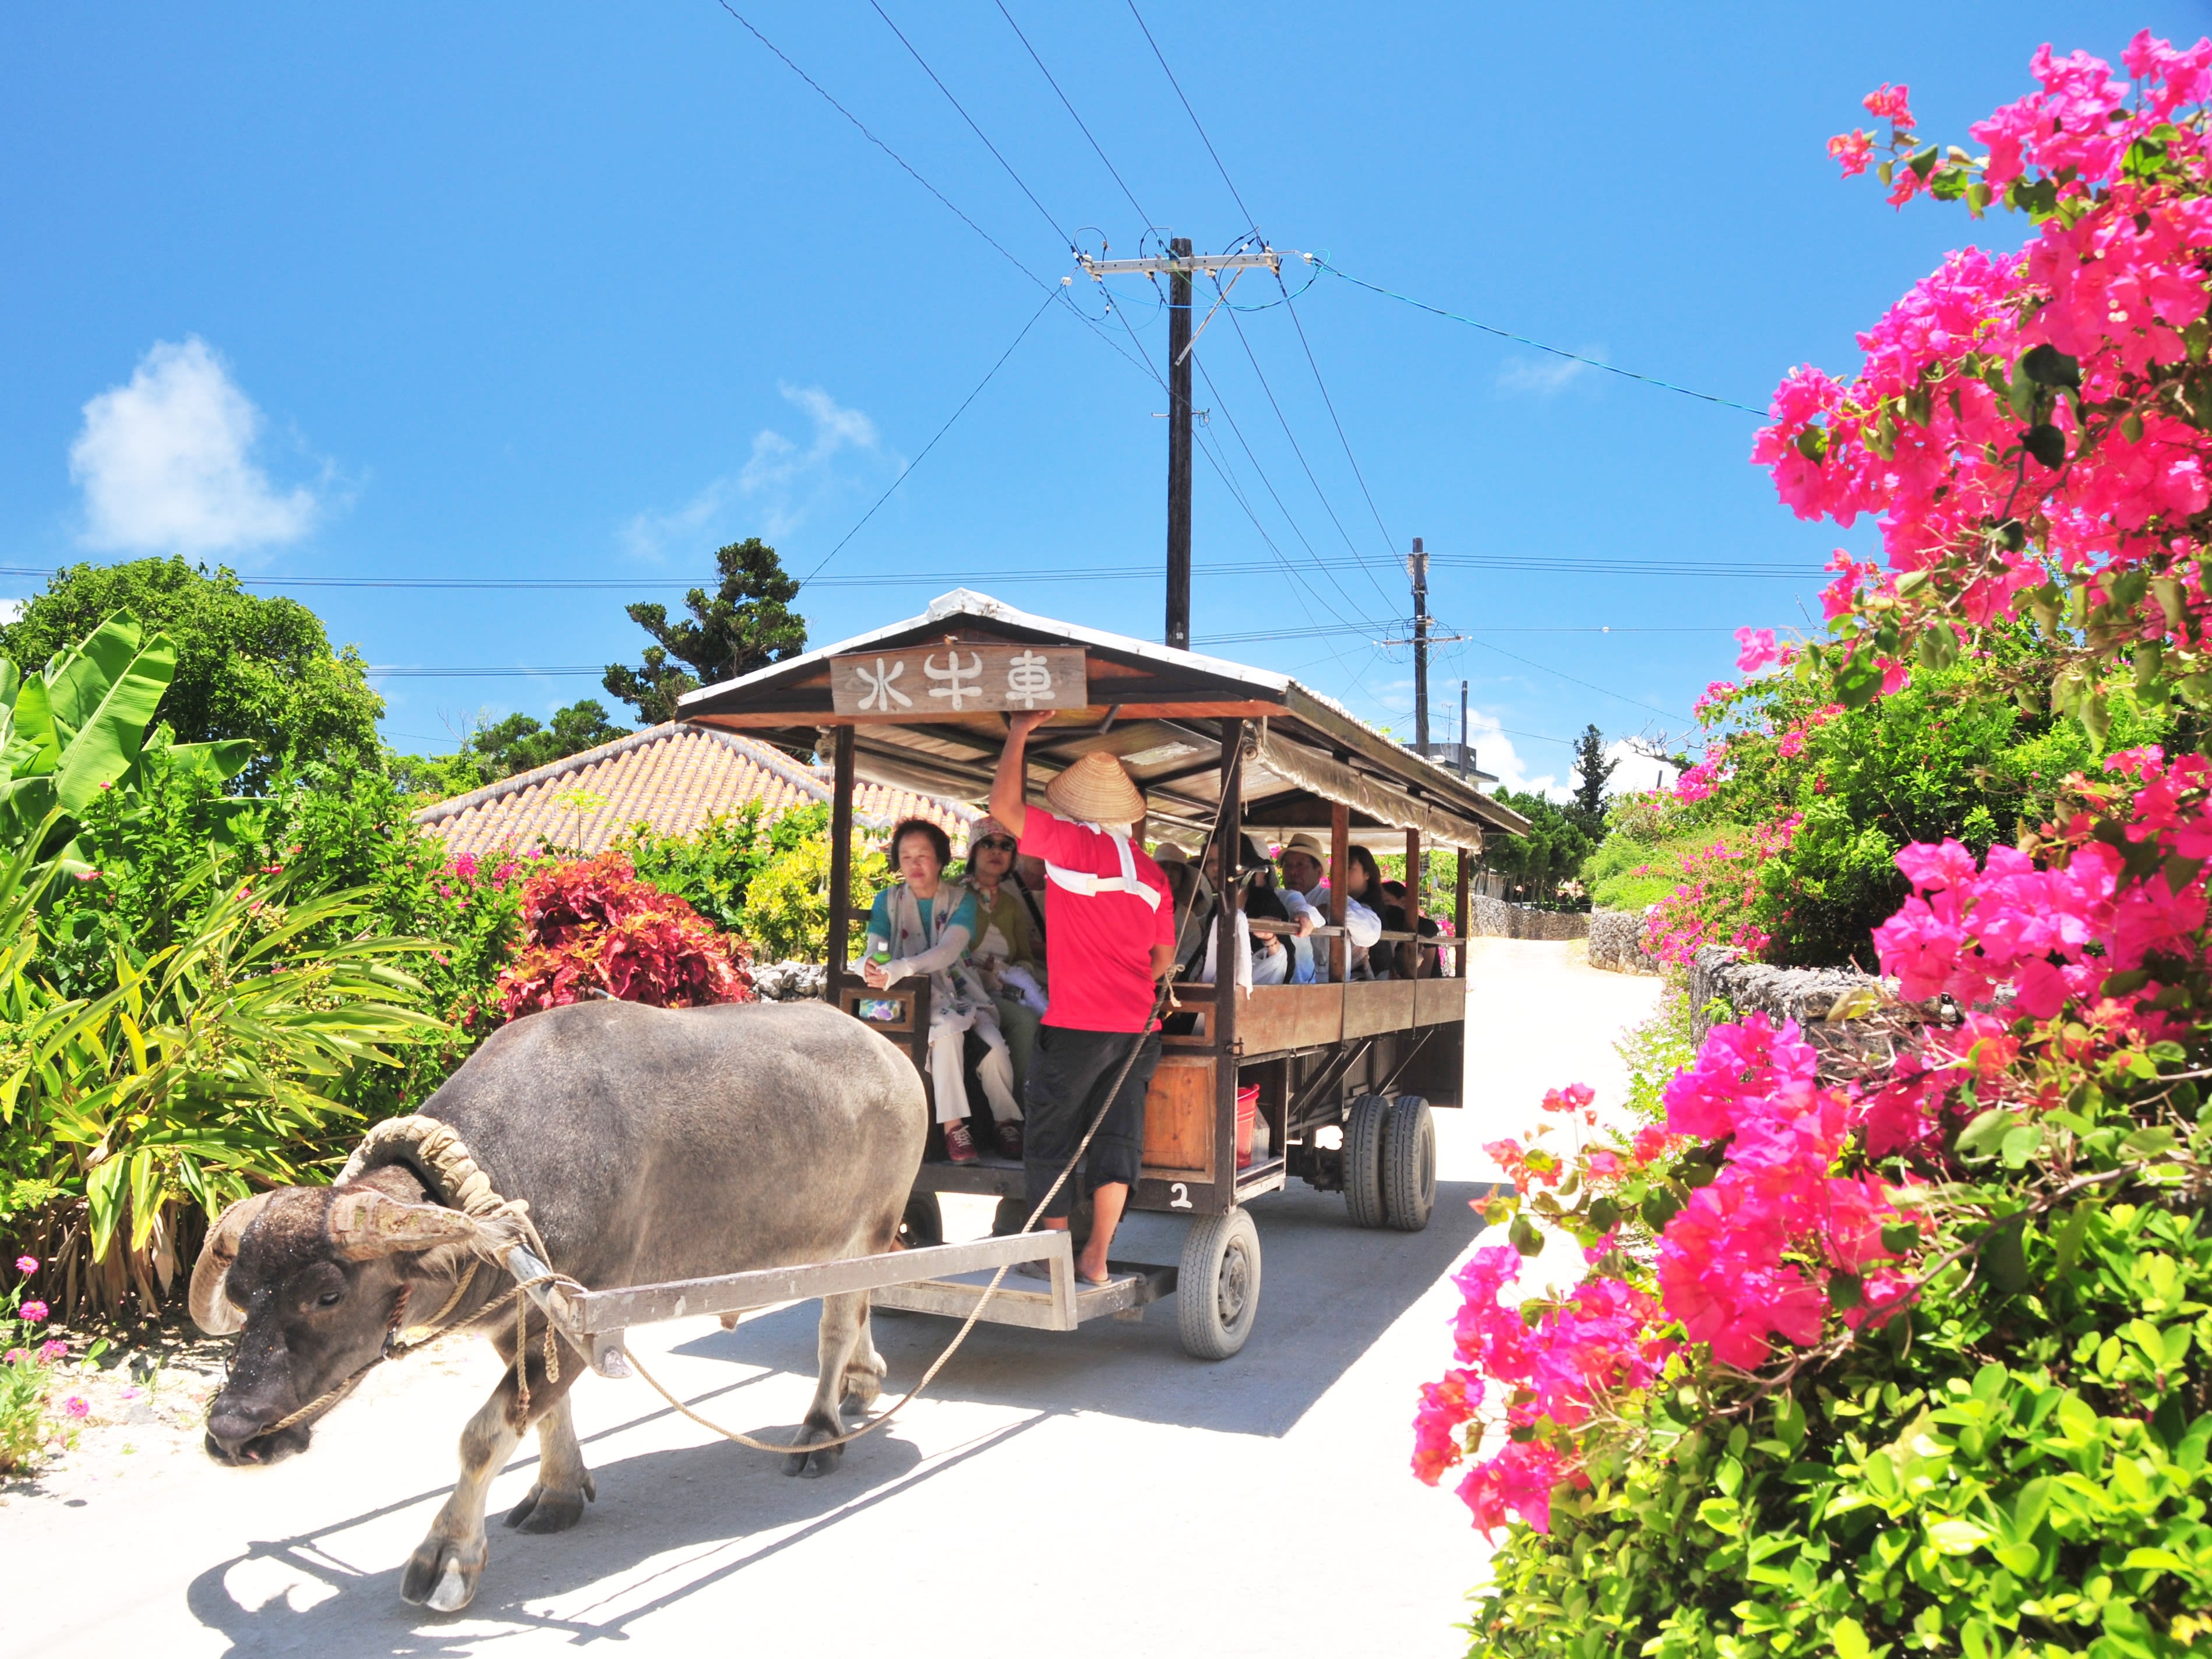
<point x="1181" y="1198"/>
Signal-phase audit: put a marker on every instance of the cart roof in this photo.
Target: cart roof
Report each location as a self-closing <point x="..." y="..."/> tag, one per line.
<point x="1166" y="707"/>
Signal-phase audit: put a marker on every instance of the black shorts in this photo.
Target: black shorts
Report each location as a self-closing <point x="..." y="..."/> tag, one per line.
<point x="1067" y="1083"/>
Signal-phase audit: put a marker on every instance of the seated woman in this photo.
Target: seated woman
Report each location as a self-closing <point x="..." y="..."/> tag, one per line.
<point x="925" y="925"/>
<point x="1362" y="891"/>
<point x="1005" y="953"/>
<point x="1261" y="959"/>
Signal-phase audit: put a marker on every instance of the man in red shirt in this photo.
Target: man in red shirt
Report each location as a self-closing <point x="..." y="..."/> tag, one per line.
<point x="1110" y="936"/>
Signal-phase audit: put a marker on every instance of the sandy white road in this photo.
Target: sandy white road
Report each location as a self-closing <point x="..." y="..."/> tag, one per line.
<point x="1070" y="1495"/>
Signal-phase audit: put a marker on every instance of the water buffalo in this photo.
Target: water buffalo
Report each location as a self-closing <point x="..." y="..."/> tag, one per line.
<point x="650" y="1145"/>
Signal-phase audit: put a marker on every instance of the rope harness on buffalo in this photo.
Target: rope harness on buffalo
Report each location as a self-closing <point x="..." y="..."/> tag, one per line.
<point x="438" y="1152"/>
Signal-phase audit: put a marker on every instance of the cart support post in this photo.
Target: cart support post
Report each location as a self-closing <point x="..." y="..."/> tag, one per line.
<point x="841" y="861"/>
<point x="1340" y="847"/>
<point x="1413" y="874"/>
<point x="1460" y="916"/>
<point x="1231" y="844"/>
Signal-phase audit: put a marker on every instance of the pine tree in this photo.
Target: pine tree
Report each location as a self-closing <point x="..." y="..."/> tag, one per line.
<point x="1592" y="772"/>
<point x="744" y="626"/>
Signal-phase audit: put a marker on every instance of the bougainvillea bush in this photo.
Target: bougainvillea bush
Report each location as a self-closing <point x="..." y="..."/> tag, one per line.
<point x="1921" y="1361"/>
<point x="1835" y="792"/>
<point x="591" y="928"/>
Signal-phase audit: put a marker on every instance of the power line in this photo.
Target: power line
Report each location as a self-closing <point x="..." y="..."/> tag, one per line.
<point x="970" y="120"/>
<point x="1587" y="685"/>
<point x="908" y="468"/>
<point x="1144" y="217"/>
<point x="1522" y="339"/>
<point x="1260" y="373"/>
<point x="1029" y="575"/>
<point x="1329" y="403"/>
<point x="1249" y="221"/>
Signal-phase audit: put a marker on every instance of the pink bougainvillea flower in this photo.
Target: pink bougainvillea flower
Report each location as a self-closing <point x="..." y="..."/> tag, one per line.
<point x="1853" y="150"/>
<point x="1887" y="102"/>
<point x="1755" y="650"/>
<point x="32" y="1313"/>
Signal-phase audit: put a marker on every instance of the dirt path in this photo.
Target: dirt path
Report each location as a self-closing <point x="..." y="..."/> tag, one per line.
<point x="1091" y="1493"/>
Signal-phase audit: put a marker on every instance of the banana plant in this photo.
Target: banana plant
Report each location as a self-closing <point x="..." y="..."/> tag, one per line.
<point x="80" y="725"/>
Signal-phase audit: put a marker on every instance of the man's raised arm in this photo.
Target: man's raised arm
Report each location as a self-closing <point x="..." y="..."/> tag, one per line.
<point x="1010" y="783"/>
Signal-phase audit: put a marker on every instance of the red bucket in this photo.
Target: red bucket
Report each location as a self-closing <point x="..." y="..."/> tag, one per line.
<point x="1248" y="1104"/>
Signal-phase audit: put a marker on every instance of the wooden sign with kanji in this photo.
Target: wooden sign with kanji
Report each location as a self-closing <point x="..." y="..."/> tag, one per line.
<point x="931" y="681"/>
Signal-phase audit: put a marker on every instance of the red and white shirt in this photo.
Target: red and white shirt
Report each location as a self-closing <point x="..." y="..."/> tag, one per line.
<point x="1106" y="905"/>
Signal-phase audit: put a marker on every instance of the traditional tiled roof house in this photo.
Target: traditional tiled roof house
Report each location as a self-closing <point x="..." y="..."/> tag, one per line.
<point x="671" y="777"/>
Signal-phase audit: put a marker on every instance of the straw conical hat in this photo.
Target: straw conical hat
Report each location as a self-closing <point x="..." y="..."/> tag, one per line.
<point x="1096" y="790"/>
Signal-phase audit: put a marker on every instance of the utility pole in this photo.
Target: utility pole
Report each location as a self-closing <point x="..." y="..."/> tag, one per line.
<point x="1179" y="266"/>
<point x="1178" y="634"/>
<point x="1417" y="566"/>
<point x="1466" y="759"/>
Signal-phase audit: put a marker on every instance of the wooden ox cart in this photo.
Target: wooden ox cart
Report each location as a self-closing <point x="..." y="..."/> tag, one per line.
<point x="1346" y="1072"/>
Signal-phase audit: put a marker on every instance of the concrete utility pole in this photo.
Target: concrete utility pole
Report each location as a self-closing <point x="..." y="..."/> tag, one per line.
<point x="1178" y="634"/>
<point x="1179" y="266"/>
<point x="1465" y="757"/>
<point x="1417" y="568"/>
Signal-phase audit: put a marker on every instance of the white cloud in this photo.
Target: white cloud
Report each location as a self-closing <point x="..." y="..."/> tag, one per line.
<point x="1494" y="753"/>
<point x="783" y="480"/>
<point x="166" y="462"/>
<point x="1546" y="377"/>
<point x="1639" y="770"/>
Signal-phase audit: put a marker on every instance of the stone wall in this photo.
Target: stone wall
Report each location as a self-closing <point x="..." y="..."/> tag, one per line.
<point x="1850" y="1017"/>
<point x="1616" y="943"/>
<point x="789" y="981"/>
<point x="1493" y="918"/>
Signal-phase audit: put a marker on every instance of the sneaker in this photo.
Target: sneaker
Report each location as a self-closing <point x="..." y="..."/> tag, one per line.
<point x="957" y="1146"/>
<point x="1010" y="1140"/>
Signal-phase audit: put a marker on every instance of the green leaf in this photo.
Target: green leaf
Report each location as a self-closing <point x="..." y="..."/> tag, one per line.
<point x="108" y="742"/>
<point x="1526" y="1237"/>
<point x="2161" y="1560"/>
<point x="2047" y="443"/>
<point x="2005" y="1257"/>
<point x="1848" y="1639"/>
<point x="1956" y="1537"/>
<point x="2046" y="365"/>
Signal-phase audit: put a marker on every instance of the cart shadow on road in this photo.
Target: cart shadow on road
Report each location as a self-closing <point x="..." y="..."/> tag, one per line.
<point x="712" y="1510"/>
<point x="1329" y="1291"/>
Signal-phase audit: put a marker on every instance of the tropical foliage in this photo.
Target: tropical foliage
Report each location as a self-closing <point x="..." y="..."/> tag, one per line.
<point x="259" y="672"/>
<point x="591" y="928"/>
<point x="1914" y="1354"/>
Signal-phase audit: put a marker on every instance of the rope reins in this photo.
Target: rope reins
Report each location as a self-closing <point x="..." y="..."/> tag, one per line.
<point x="1163" y="999"/>
<point x="440" y="1145"/>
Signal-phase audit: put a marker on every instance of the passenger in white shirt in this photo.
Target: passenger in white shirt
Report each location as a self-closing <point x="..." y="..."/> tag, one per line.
<point x="1305" y="895"/>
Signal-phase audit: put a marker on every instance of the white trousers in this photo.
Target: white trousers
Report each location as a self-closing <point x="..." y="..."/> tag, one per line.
<point x="947" y="1062"/>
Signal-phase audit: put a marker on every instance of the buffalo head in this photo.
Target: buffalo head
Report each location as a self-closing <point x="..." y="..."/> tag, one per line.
<point x="313" y="1280"/>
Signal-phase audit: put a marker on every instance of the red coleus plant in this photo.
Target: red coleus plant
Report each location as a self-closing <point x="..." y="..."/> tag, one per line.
<point x="591" y="927"/>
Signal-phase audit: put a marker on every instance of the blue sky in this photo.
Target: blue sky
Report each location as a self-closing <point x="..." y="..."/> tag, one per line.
<point x="582" y="292"/>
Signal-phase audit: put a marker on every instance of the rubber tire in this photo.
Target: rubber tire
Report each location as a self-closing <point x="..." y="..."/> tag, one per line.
<point x="1218" y="1287"/>
<point x="1409" y="1164"/>
<point x="923" y="1223"/>
<point x="1363" y="1160"/>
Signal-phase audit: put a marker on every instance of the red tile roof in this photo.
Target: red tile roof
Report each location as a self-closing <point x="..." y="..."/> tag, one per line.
<point x="671" y="777"/>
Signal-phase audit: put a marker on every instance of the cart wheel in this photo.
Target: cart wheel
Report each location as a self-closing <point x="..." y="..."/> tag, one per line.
<point x="1409" y="1164"/>
<point x="1363" y="1160"/>
<point x="1217" y="1290"/>
<point x="923" y="1223"/>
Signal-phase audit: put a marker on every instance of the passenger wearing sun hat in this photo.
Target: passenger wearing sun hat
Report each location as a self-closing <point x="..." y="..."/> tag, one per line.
<point x="1110" y="938"/>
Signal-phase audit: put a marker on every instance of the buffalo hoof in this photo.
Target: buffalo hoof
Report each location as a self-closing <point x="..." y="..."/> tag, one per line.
<point x="813" y="1465"/>
<point x="863" y="1384"/>
<point x="554" y="1509"/>
<point x="442" y="1574"/>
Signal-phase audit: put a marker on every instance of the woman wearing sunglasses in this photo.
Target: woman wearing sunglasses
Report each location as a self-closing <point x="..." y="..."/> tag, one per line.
<point x="1006" y="954"/>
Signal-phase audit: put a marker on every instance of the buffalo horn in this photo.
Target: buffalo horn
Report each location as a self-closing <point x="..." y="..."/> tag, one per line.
<point x="364" y="1224"/>
<point x="211" y="1309"/>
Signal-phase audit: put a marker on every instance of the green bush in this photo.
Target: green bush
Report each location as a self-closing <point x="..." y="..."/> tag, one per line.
<point x="788" y="910"/>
